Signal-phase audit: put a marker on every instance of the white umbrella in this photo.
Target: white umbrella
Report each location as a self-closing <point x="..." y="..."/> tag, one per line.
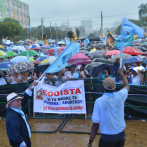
<point x="33" y="46"/>
<point x="21" y="48"/>
<point x="60" y="42"/>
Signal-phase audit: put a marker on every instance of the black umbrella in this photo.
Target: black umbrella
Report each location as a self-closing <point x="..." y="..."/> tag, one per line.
<point x="90" y="66"/>
<point x="2" y="73"/>
<point x="91" y="54"/>
<point x="41" y="67"/>
<point x="103" y="60"/>
<point x="98" y="69"/>
<point x="100" y="56"/>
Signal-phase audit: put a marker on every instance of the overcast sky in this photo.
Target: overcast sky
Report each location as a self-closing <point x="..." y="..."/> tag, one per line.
<point x="58" y="11"/>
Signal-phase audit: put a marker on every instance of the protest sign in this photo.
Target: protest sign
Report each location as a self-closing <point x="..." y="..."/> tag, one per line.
<point x="68" y="98"/>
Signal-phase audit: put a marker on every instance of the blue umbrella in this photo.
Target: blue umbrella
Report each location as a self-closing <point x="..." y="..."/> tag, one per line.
<point x="132" y="59"/>
<point x="40" y="42"/>
<point x="41" y="58"/>
<point x="5" y="65"/>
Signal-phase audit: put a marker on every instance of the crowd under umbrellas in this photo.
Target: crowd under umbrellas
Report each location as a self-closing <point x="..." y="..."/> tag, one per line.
<point x="28" y="60"/>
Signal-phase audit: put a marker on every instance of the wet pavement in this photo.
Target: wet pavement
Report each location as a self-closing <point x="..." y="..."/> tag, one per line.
<point x="136" y="133"/>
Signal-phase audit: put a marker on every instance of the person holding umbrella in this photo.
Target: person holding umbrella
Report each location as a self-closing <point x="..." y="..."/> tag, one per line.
<point x="15" y="79"/>
<point x="109" y="114"/>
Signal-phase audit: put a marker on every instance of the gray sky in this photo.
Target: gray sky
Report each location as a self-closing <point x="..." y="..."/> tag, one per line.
<point x="58" y="11"/>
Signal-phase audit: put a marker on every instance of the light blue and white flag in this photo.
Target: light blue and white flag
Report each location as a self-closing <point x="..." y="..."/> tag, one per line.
<point x="28" y="56"/>
<point x="50" y="41"/>
<point x="18" y="51"/>
<point x="56" y="52"/>
<point x="67" y="42"/>
<point x="39" y="53"/>
<point x="86" y="41"/>
<point x="128" y="27"/>
<point x="9" y="49"/>
<point x="62" y="59"/>
<point x="105" y="40"/>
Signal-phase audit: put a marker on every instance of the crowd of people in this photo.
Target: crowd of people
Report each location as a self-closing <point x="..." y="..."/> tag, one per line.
<point x="136" y="73"/>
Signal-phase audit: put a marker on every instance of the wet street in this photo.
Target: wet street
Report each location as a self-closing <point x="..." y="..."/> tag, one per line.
<point x="136" y="132"/>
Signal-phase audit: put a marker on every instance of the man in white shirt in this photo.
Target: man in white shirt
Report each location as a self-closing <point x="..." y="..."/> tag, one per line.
<point x="109" y="114"/>
<point x="18" y="129"/>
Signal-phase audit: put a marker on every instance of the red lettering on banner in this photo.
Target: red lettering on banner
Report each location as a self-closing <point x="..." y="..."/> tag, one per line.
<point x="66" y="92"/>
<point x="61" y="92"/>
<point x="45" y="92"/>
<point x="50" y="93"/>
<point x="57" y="93"/>
<point x="78" y="91"/>
<point x="71" y="90"/>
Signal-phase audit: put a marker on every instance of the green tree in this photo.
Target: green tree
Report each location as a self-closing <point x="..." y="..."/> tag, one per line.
<point x="142" y="9"/>
<point x="10" y="28"/>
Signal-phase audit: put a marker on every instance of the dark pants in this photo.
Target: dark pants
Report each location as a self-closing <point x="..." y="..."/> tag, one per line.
<point x="117" y="140"/>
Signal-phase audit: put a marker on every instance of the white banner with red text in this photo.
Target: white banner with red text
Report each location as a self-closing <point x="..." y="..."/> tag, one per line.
<point x="68" y="98"/>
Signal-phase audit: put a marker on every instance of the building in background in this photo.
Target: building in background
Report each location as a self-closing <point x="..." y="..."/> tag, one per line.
<point x="88" y="25"/>
<point x="15" y="9"/>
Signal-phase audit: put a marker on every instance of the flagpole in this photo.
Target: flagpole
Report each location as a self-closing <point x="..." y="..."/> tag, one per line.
<point x="56" y="31"/>
<point x="50" y="30"/>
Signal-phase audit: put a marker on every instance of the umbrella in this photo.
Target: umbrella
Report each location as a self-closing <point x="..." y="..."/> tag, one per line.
<point x="2" y="53"/>
<point x="31" y="59"/>
<point x="90" y="66"/>
<point x="31" y="53"/>
<point x="98" y="69"/>
<point x="40" y="42"/>
<point x="36" y="49"/>
<point x="118" y="56"/>
<point x="2" y="73"/>
<point x="49" y="60"/>
<point x="143" y="43"/>
<point x="20" y="67"/>
<point x="145" y="62"/>
<point x="78" y="58"/>
<point x="45" y="46"/>
<point x="83" y="52"/>
<point x="100" y="56"/>
<point x="5" y="65"/>
<point x="41" y="67"/>
<point x="10" y="54"/>
<point x="41" y="58"/>
<point x="83" y="44"/>
<point x="144" y="53"/>
<point x="25" y="43"/>
<point x="36" y="62"/>
<point x="131" y="51"/>
<point x="113" y="52"/>
<point x="96" y="53"/>
<point x="62" y="48"/>
<point x="19" y="59"/>
<point x="33" y="46"/>
<point x="85" y="62"/>
<point x="21" y="48"/>
<point x="93" y="50"/>
<point x="131" y="59"/>
<point x="103" y="60"/>
<point x="60" y="42"/>
<point x="1" y="46"/>
<point x="49" y="51"/>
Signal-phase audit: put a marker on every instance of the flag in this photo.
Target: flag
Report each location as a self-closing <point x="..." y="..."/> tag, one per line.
<point x="39" y="53"/>
<point x="9" y="49"/>
<point x="18" y="51"/>
<point x="30" y="27"/>
<point x="128" y="41"/>
<point x="105" y="40"/>
<point x="62" y="59"/>
<point x="86" y="41"/>
<point x="67" y="42"/>
<point x="78" y="48"/>
<point x="28" y="56"/>
<point x="50" y="41"/>
<point x="128" y="27"/>
<point x="56" y="52"/>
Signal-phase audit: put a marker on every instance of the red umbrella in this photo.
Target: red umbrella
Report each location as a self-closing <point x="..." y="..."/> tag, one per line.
<point x="52" y="51"/>
<point x="113" y="52"/>
<point x="131" y="51"/>
<point x="36" y="49"/>
<point x="78" y="58"/>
